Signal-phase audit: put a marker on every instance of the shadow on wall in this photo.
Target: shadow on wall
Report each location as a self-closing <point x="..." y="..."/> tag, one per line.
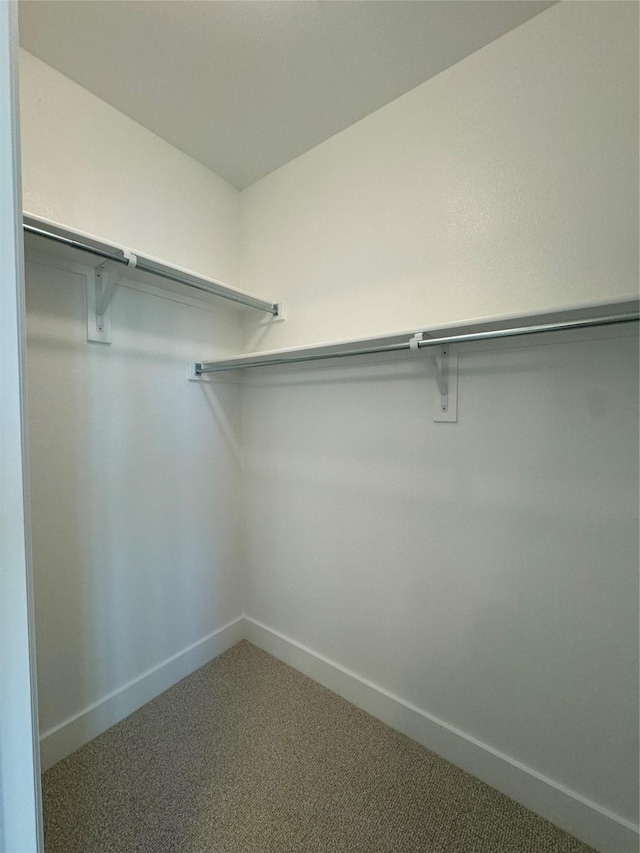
<point x="135" y="491"/>
<point x="485" y="571"/>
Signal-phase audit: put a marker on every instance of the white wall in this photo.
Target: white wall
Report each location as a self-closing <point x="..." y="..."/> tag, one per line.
<point x="484" y="572"/>
<point x="507" y="184"/>
<point x="20" y="830"/>
<point x="135" y="472"/>
<point x="135" y="479"/>
<point x="87" y="166"/>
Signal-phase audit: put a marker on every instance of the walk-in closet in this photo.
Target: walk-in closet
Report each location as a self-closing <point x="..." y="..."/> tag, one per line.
<point x="319" y="431"/>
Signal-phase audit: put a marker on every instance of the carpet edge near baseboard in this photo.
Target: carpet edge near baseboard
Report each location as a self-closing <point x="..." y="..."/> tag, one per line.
<point x="586" y="820"/>
<point x="61" y="740"/>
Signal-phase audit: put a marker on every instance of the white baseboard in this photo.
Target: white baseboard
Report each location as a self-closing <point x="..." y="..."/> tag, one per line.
<point x="73" y="733"/>
<point x="582" y="818"/>
<point x="586" y="820"/>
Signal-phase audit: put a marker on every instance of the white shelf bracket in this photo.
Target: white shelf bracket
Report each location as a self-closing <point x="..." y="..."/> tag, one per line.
<point x="446" y="370"/>
<point x="100" y="289"/>
<point x="105" y="285"/>
<point x="442" y="375"/>
<point x="445" y="365"/>
<point x="100" y="286"/>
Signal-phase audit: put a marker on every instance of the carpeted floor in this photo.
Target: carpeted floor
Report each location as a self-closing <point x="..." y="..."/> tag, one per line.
<point x="249" y="756"/>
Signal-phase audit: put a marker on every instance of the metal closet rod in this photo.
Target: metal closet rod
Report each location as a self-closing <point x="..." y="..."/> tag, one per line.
<point x="112" y="253"/>
<point x="293" y="357"/>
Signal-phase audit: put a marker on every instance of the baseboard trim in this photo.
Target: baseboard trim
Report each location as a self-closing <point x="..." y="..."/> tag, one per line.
<point x="588" y="821"/>
<point x="65" y="738"/>
<point x="584" y="819"/>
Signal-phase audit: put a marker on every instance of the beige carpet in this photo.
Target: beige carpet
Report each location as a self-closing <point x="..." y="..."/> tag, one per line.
<point x="249" y="756"/>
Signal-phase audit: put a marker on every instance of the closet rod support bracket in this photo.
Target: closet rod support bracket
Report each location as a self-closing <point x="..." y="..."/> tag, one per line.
<point x="446" y="374"/>
<point x="105" y="286"/>
<point x="100" y="290"/>
<point x="100" y="284"/>
<point x="445" y="366"/>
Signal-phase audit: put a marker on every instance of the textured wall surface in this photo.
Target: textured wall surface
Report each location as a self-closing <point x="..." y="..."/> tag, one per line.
<point x="135" y="488"/>
<point x="87" y="166"/>
<point x="507" y="184"/>
<point x="485" y="571"/>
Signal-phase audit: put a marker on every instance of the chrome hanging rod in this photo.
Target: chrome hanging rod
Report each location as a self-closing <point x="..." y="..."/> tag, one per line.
<point x="32" y="225"/>
<point x="292" y="357"/>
